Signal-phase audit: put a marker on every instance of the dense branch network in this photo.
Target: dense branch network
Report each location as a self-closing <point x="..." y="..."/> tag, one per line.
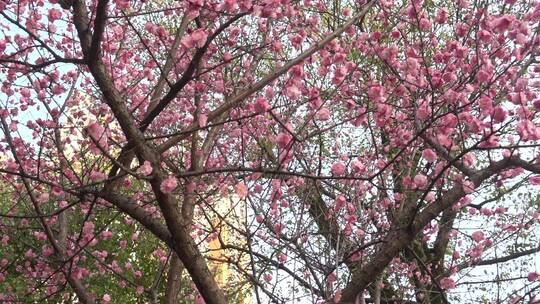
<point x="231" y="151"/>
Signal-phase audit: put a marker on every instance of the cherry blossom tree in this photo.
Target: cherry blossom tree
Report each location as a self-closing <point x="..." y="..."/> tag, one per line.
<point x="344" y="151"/>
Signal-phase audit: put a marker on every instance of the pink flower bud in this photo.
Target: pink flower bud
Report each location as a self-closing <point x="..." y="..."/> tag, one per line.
<point x="477" y="236"/>
<point x="338" y="169"/>
<point x="168" y="185"/>
<point x="429" y="155"/>
<point x="420" y="181"/>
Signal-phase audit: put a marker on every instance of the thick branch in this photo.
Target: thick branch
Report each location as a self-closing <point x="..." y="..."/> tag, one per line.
<point x="399" y="238"/>
<point x="235" y="100"/>
<point x="187" y="76"/>
<point x="503" y="259"/>
<point x="183" y="244"/>
<point x="99" y="28"/>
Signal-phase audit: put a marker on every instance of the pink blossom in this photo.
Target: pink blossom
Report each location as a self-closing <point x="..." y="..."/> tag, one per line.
<point x="96" y="176"/>
<point x="486" y="104"/>
<point x="54" y="14"/>
<point x="447" y="283"/>
<point x="29" y="254"/>
<point x="42" y="197"/>
<point x="377" y="93"/>
<point x="106" y="298"/>
<point x="261" y="105"/>
<point x="267" y="277"/>
<point x="424" y="110"/>
<point x="340" y="202"/>
<point x="88" y="228"/>
<point x="105" y="235"/>
<point x="483" y="76"/>
<point x="25" y="92"/>
<point x="229" y="5"/>
<point x="98" y="135"/>
<point x="323" y="114"/>
<point x="527" y="130"/>
<point x="534" y="180"/>
<point x="425" y="24"/>
<point x="536" y="104"/>
<point x="283" y="139"/>
<point x="429" y="155"/>
<point x="202" y="119"/>
<point x="477" y="236"/>
<point x="145" y="169"/>
<point x="357" y="166"/>
<point x="196" y="39"/>
<point x="41" y="236"/>
<point x="57" y="90"/>
<point x="444" y="140"/>
<point x="468" y="186"/>
<point x="412" y="64"/>
<point x="241" y="190"/>
<point x="420" y="181"/>
<point x="199" y="300"/>
<point x="332" y="277"/>
<point x="338" y="169"/>
<point x="484" y="36"/>
<point x="502" y="23"/>
<point x="278" y="228"/>
<point x="533" y="276"/>
<point x="442" y="16"/>
<point x="168" y="185"/>
<point x="486" y="212"/>
<point x="293" y="92"/>
<point x="95" y="130"/>
<point x="499" y="114"/>
<point x="430" y="197"/>
<point x="337" y="296"/>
